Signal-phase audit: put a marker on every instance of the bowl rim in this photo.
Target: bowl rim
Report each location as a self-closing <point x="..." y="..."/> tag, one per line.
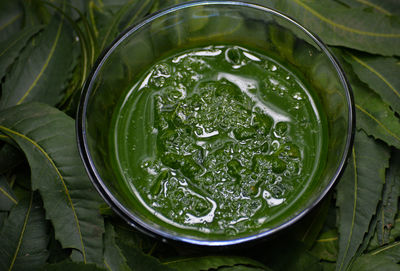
<point x="136" y="222"/>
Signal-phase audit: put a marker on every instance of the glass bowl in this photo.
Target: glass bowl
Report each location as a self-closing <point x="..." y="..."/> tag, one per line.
<point x="204" y="23"/>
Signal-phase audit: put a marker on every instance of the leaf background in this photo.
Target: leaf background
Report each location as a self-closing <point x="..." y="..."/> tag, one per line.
<point x="38" y="147"/>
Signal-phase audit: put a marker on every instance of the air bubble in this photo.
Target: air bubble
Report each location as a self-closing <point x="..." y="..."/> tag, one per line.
<point x="233" y="56"/>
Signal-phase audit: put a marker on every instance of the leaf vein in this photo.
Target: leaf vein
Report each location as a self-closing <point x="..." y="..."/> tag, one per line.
<point x="354" y="208"/>
<point x="377" y="121"/>
<point x="53" y="48"/>
<point x="22" y="233"/>
<point x="346" y="28"/>
<point x="13" y="19"/>
<point x="8" y="195"/>
<point x="380" y="76"/>
<point x="37" y="146"/>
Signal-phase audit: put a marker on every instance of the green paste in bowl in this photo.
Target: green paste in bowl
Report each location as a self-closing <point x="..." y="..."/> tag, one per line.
<point x="218" y="141"/>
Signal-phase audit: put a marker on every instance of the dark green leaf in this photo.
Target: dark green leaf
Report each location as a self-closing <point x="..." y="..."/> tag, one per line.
<point x="10" y="157"/>
<point x="373" y="115"/>
<point x="358" y="194"/>
<point x="386" y="214"/>
<point x="36" y="13"/>
<point x="211" y="262"/>
<point x="327" y="266"/>
<point x="42" y="70"/>
<point x="386" y="7"/>
<point x="10" y="49"/>
<point x="24" y="236"/>
<point x="390" y="252"/>
<point x="11" y="18"/>
<point x="7" y="197"/>
<point x="113" y="258"/>
<point x="56" y="252"/>
<point x="47" y="137"/>
<point x="338" y="25"/>
<point x="68" y="266"/>
<point x="373" y="263"/>
<point x="326" y="246"/>
<point x="381" y="74"/>
<point x="139" y="261"/>
<point x="393" y="236"/>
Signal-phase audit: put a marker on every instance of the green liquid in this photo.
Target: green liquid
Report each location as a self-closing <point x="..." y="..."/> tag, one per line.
<point x="218" y="141"/>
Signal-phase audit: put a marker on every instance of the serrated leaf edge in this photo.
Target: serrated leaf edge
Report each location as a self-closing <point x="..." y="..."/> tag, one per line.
<point x="46" y="155"/>
<point x="377" y="121"/>
<point x="380" y="76"/>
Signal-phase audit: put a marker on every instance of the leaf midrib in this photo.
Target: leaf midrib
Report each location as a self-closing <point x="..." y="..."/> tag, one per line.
<point x="13" y="43"/>
<point x="46" y="155"/>
<point x="21" y="237"/>
<point x="377" y="121"/>
<point x="53" y="48"/>
<point x="8" y="195"/>
<point x="354" y="208"/>
<point x="344" y="27"/>
<point x="11" y="21"/>
<point x="380" y="76"/>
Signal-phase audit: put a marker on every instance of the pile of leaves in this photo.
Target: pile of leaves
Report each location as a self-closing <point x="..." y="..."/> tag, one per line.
<point x="51" y="217"/>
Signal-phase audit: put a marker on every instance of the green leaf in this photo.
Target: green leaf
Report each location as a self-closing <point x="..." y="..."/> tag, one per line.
<point x="36" y="13"/>
<point x="380" y="73"/>
<point x="389" y="208"/>
<point x="358" y="194"/>
<point x="327" y="266"/>
<point x="68" y="266"/>
<point x="338" y="25"/>
<point x="326" y="246"/>
<point x="10" y="157"/>
<point x="373" y="115"/>
<point x="24" y="236"/>
<point x="373" y="263"/>
<point x="211" y="262"/>
<point x="10" y="49"/>
<point x="56" y="252"/>
<point x="139" y="261"/>
<point x="47" y="137"/>
<point x="11" y="18"/>
<point x="42" y="69"/>
<point x="390" y="252"/>
<point x="387" y="7"/>
<point x="113" y="258"/>
<point x="7" y="197"/>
